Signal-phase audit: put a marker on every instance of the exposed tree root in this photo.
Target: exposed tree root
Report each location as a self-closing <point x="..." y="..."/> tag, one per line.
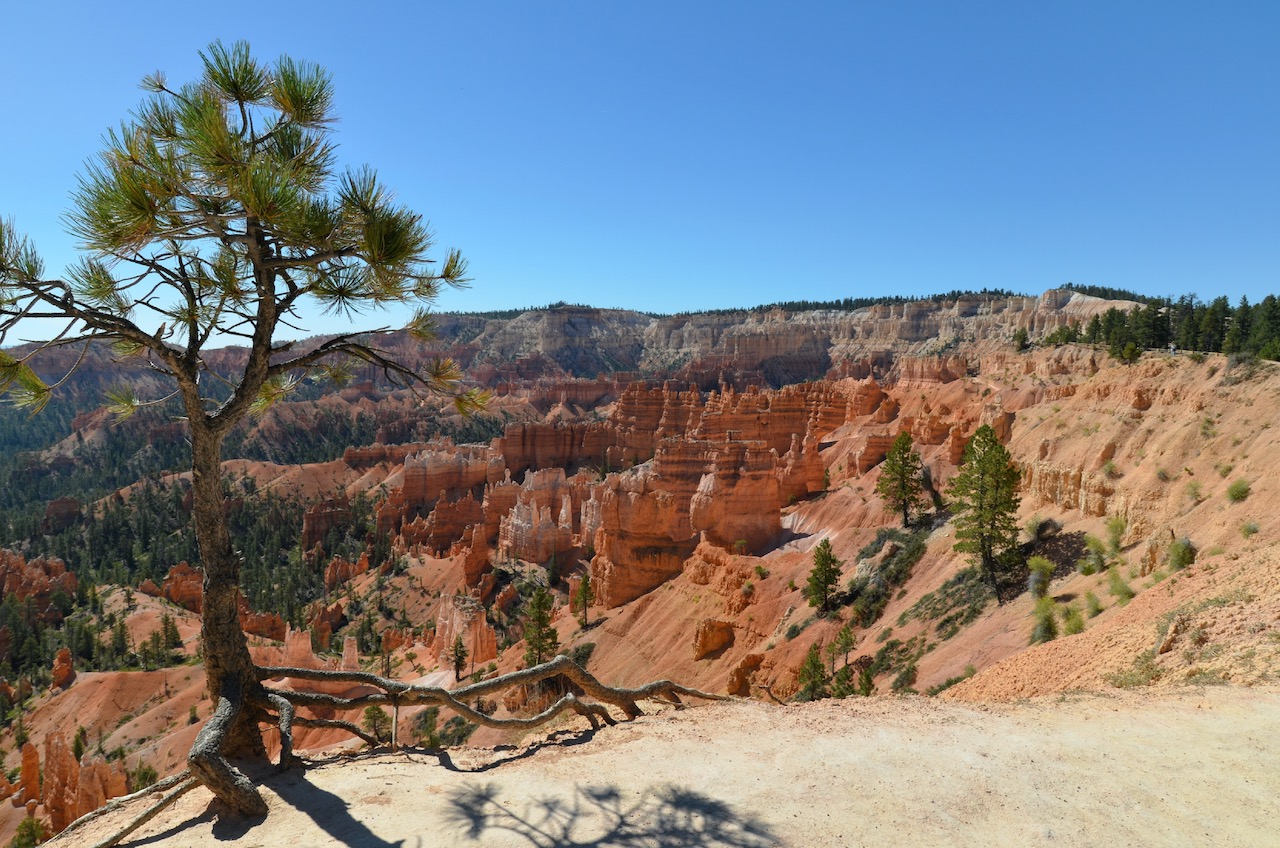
<point x="210" y="768"/>
<point x="286" y="713"/>
<point x="209" y="765"/>
<point x="116" y="803"/>
<point x="149" y="813"/>
<point x="399" y="694"/>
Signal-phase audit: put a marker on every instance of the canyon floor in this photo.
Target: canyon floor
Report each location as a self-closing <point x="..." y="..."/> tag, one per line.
<point x="1189" y="766"/>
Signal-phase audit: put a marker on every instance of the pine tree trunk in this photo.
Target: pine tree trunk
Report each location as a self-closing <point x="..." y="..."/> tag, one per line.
<point x="232" y="678"/>
<point x="226" y="650"/>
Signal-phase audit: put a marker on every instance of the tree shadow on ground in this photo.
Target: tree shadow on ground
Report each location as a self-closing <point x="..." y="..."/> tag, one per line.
<point x="330" y="813"/>
<point x="559" y="739"/>
<point x="600" y="817"/>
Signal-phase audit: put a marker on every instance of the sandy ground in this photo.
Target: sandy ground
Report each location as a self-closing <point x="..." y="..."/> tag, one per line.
<point x="1188" y="767"/>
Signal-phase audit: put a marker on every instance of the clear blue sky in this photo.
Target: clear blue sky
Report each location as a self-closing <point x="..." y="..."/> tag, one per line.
<point x="677" y="156"/>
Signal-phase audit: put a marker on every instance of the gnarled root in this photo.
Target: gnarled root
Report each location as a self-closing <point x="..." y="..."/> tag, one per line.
<point x="398" y="693"/>
<point x="229" y="784"/>
<point x="182" y="778"/>
<point x="149" y="813"/>
<point x="286" y="713"/>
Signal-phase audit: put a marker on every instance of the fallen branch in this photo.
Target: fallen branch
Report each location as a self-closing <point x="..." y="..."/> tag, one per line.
<point x="149" y="813"/>
<point x="116" y="803"/>
<point x="209" y="767"/>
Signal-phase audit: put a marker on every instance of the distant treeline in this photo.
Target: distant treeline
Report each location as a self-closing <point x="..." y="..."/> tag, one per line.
<point x="847" y="304"/>
<point x="1187" y="323"/>
<point x="1107" y="293"/>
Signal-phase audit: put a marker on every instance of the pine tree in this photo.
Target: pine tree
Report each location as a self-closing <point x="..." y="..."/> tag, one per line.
<point x="814" y="682"/>
<point x="845" y="641"/>
<point x="216" y="212"/>
<point x="540" y="637"/>
<point x="377" y="722"/>
<point x="584" y="598"/>
<point x="458" y="656"/>
<point x="823" y="578"/>
<point x="901" y="484"/>
<point x="985" y="499"/>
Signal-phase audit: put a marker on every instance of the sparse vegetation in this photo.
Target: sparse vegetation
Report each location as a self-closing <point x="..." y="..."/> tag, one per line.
<point x="1238" y="491"/>
<point x="1072" y="620"/>
<point x="1039" y="574"/>
<point x="969" y="671"/>
<point x="1181" y="554"/>
<point x="30" y="833"/>
<point x="1248" y="528"/>
<point x="1143" y="672"/>
<point x="1116" y="525"/>
<point x="1095" y="557"/>
<point x="1120" y="590"/>
<point x="1046" y="618"/>
<point x="953" y="605"/>
<point x="869" y="592"/>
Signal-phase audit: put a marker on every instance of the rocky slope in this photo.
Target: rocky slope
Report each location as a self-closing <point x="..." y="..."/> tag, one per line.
<point x="695" y="513"/>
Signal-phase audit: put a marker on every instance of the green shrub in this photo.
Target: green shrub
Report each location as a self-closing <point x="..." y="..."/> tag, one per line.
<point x="969" y="671"/>
<point x="1116" y="526"/>
<point x="869" y="593"/>
<point x="905" y="680"/>
<point x="456" y="731"/>
<point x="30" y="833"/>
<point x="1046" y="626"/>
<point x="1039" y="574"/>
<point x="1143" y="672"/>
<point x="1194" y="491"/>
<point x="1181" y="553"/>
<point x="1238" y="491"/>
<point x="1072" y="620"/>
<point x="1120" y="590"/>
<point x="424" y="727"/>
<point x="793" y="631"/>
<point x="141" y="777"/>
<point x="1095" y="557"/>
<point x="1092" y="606"/>
<point x="1248" y="528"/>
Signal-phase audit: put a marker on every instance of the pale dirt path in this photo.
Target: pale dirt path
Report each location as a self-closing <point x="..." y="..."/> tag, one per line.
<point x="1193" y="767"/>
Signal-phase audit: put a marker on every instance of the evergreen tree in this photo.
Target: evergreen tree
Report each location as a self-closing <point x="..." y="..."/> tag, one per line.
<point x="584" y="598"/>
<point x="901" y="484"/>
<point x="458" y="657"/>
<point x="820" y="588"/>
<point x="845" y="641"/>
<point x="540" y="637"/>
<point x="814" y="681"/>
<point x="215" y="212"/>
<point x="984" y="496"/>
<point x="377" y="722"/>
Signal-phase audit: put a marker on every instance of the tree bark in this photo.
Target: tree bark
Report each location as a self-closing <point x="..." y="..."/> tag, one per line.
<point x="226" y="651"/>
